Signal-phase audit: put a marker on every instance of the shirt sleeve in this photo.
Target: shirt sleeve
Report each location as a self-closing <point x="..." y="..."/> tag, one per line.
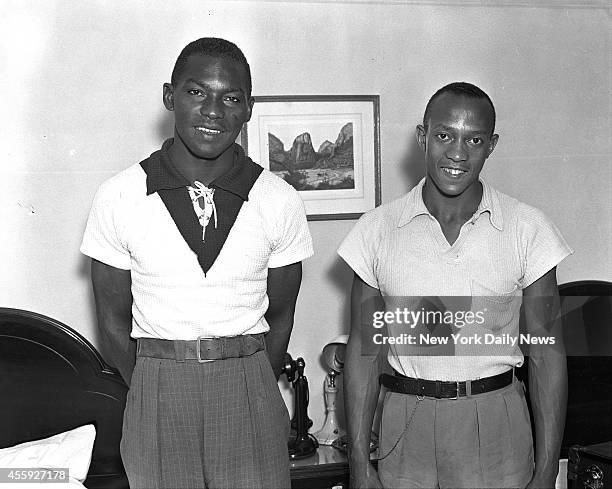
<point x="542" y="244"/>
<point x="360" y="248"/>
<point x="293" y="242"/>
<point x="103" y="239"/>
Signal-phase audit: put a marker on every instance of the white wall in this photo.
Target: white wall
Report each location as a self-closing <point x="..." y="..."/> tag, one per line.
<point x="81" y="92"/>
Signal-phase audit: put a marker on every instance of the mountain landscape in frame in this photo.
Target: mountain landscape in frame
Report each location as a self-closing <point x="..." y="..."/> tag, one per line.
<point x="330" y="167"/>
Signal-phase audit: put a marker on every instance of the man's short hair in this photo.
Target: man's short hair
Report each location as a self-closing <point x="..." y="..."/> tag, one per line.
<point x="464" y="89"/>
<point x="215" y="47"/>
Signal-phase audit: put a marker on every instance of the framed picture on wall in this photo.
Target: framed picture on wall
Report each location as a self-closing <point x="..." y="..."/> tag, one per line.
<point x="326" y="146"/>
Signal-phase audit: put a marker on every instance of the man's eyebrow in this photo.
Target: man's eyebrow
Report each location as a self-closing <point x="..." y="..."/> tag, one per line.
<point x="442" y="126"/>
<point x="206" y="85"/>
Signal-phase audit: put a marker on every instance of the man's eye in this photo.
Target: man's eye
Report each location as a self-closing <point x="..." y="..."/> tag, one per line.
<point x="231" y="98"/>
<point x="476" y="141"/>
<point x="442" y="136"/>
<point x="195" y="91"/>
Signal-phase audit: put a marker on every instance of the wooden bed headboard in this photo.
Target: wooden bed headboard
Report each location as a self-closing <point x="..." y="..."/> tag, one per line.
<point x="586" y="308"/>
<point x="52" y="380"/>
<point x="588" y="339"/>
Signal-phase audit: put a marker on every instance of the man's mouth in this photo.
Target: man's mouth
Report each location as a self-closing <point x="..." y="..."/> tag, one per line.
<point x="455" y="172"/>
<point x="207" y="130"/>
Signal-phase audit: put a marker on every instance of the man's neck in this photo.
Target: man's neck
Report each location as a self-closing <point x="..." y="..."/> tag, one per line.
<point x="200" y="169"/>
<point x="452" y="209"/>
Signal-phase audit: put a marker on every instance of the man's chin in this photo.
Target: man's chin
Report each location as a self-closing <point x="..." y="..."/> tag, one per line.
<point x="450" y="189"/>
<point x="210" y="154"/>
<point x="447" y="190"/>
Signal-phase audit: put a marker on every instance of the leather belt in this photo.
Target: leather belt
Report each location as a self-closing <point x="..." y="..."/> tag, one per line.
<point x="202" y="349"/>
<point x="444" y="389"/>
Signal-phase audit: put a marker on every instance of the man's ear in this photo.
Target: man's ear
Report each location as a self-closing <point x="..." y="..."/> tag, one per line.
<point x="250" y="103"/>
<point x="168" y="96"/>
<point x="492" y="144"/>
<point x="421" y="136"/>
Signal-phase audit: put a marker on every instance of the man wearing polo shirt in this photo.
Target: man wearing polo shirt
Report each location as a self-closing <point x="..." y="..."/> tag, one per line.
<point x="197" y="254"/>
<point x="458" y="418"/>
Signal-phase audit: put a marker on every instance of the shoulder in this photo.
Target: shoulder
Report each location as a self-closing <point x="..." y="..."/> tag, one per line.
<point x="521" y="212"/>
<point x="527" y="214"/>
<point x="268" y="181"/>
<point x="374" y="226"/>
<point x="522" y="217"/>
<point x="386" y="215"/>
<point x="269" y="188"/>
<point x="507" y="204"/>
<point x="277" y="203"/>
<point x="516" y="211"/>
<point x="533" y="225"/>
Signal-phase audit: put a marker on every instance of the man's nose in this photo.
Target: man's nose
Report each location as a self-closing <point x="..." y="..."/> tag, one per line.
<point x="212" y="108"/>
<point x="457" y="151"/>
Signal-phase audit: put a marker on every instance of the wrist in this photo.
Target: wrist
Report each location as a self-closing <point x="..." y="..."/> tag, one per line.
<point x="361" y="470"/>
<point x="359" y="457"/>
<point x="545" y="478"/>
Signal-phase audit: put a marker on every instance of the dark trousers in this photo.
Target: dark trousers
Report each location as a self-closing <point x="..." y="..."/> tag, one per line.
<point x="219" y="424"/>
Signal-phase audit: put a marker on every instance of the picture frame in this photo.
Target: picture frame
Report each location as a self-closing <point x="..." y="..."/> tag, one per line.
<point x="326" y="146"/>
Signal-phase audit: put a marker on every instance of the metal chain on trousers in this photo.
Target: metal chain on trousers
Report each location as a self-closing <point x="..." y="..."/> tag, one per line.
<point x="408" y="422"/>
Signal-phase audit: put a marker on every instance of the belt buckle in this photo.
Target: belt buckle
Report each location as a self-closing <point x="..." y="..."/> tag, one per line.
<point x="456" y="392"/>
<point x="200" y="338"/>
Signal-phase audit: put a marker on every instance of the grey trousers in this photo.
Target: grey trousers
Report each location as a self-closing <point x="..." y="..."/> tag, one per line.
<point x="479" y="441"/>
<point x="219" y="424"/>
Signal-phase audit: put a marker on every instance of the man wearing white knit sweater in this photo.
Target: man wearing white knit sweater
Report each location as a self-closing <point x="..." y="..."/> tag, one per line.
<point x="454" y="415"/>
<point x="197" y="256"/>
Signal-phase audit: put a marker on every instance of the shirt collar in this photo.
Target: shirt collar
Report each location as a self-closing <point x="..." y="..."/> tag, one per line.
<point x="415" y="206"/>
<point x="163" y="175"/>
<point x="490" y="203"/>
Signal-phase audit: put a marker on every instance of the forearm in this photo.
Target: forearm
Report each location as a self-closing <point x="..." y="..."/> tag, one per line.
<point x="113" y="296"/>
<point x="363" y="365"/>
<point x="283" y="287"/>
<point x="120" y="346"/>
<point x="547" y="377"/>
<point x="548" y="393"/>
<point x="277" y="339"/>
<point x="364" y="361"/>
<point x="361" y="390"/>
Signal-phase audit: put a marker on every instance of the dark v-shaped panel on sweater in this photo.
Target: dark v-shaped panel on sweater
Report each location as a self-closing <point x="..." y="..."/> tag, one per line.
<point x="231" y="191"/>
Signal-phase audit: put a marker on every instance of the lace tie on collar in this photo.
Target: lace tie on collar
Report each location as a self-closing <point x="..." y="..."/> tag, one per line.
<point x="203" y="204"/>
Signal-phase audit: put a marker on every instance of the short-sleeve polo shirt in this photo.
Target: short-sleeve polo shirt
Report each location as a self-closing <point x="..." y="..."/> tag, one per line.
<point x="172" y="297"/>
<point x="400" y="249"/>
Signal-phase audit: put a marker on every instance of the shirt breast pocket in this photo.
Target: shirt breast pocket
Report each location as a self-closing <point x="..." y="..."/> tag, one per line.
<point x="500" y="309"/>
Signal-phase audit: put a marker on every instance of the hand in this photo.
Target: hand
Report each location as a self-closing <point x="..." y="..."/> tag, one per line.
<point x="369" y="480"/>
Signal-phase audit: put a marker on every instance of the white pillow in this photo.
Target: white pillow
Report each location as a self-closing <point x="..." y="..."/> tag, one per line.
<point x="71" y="449"/>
